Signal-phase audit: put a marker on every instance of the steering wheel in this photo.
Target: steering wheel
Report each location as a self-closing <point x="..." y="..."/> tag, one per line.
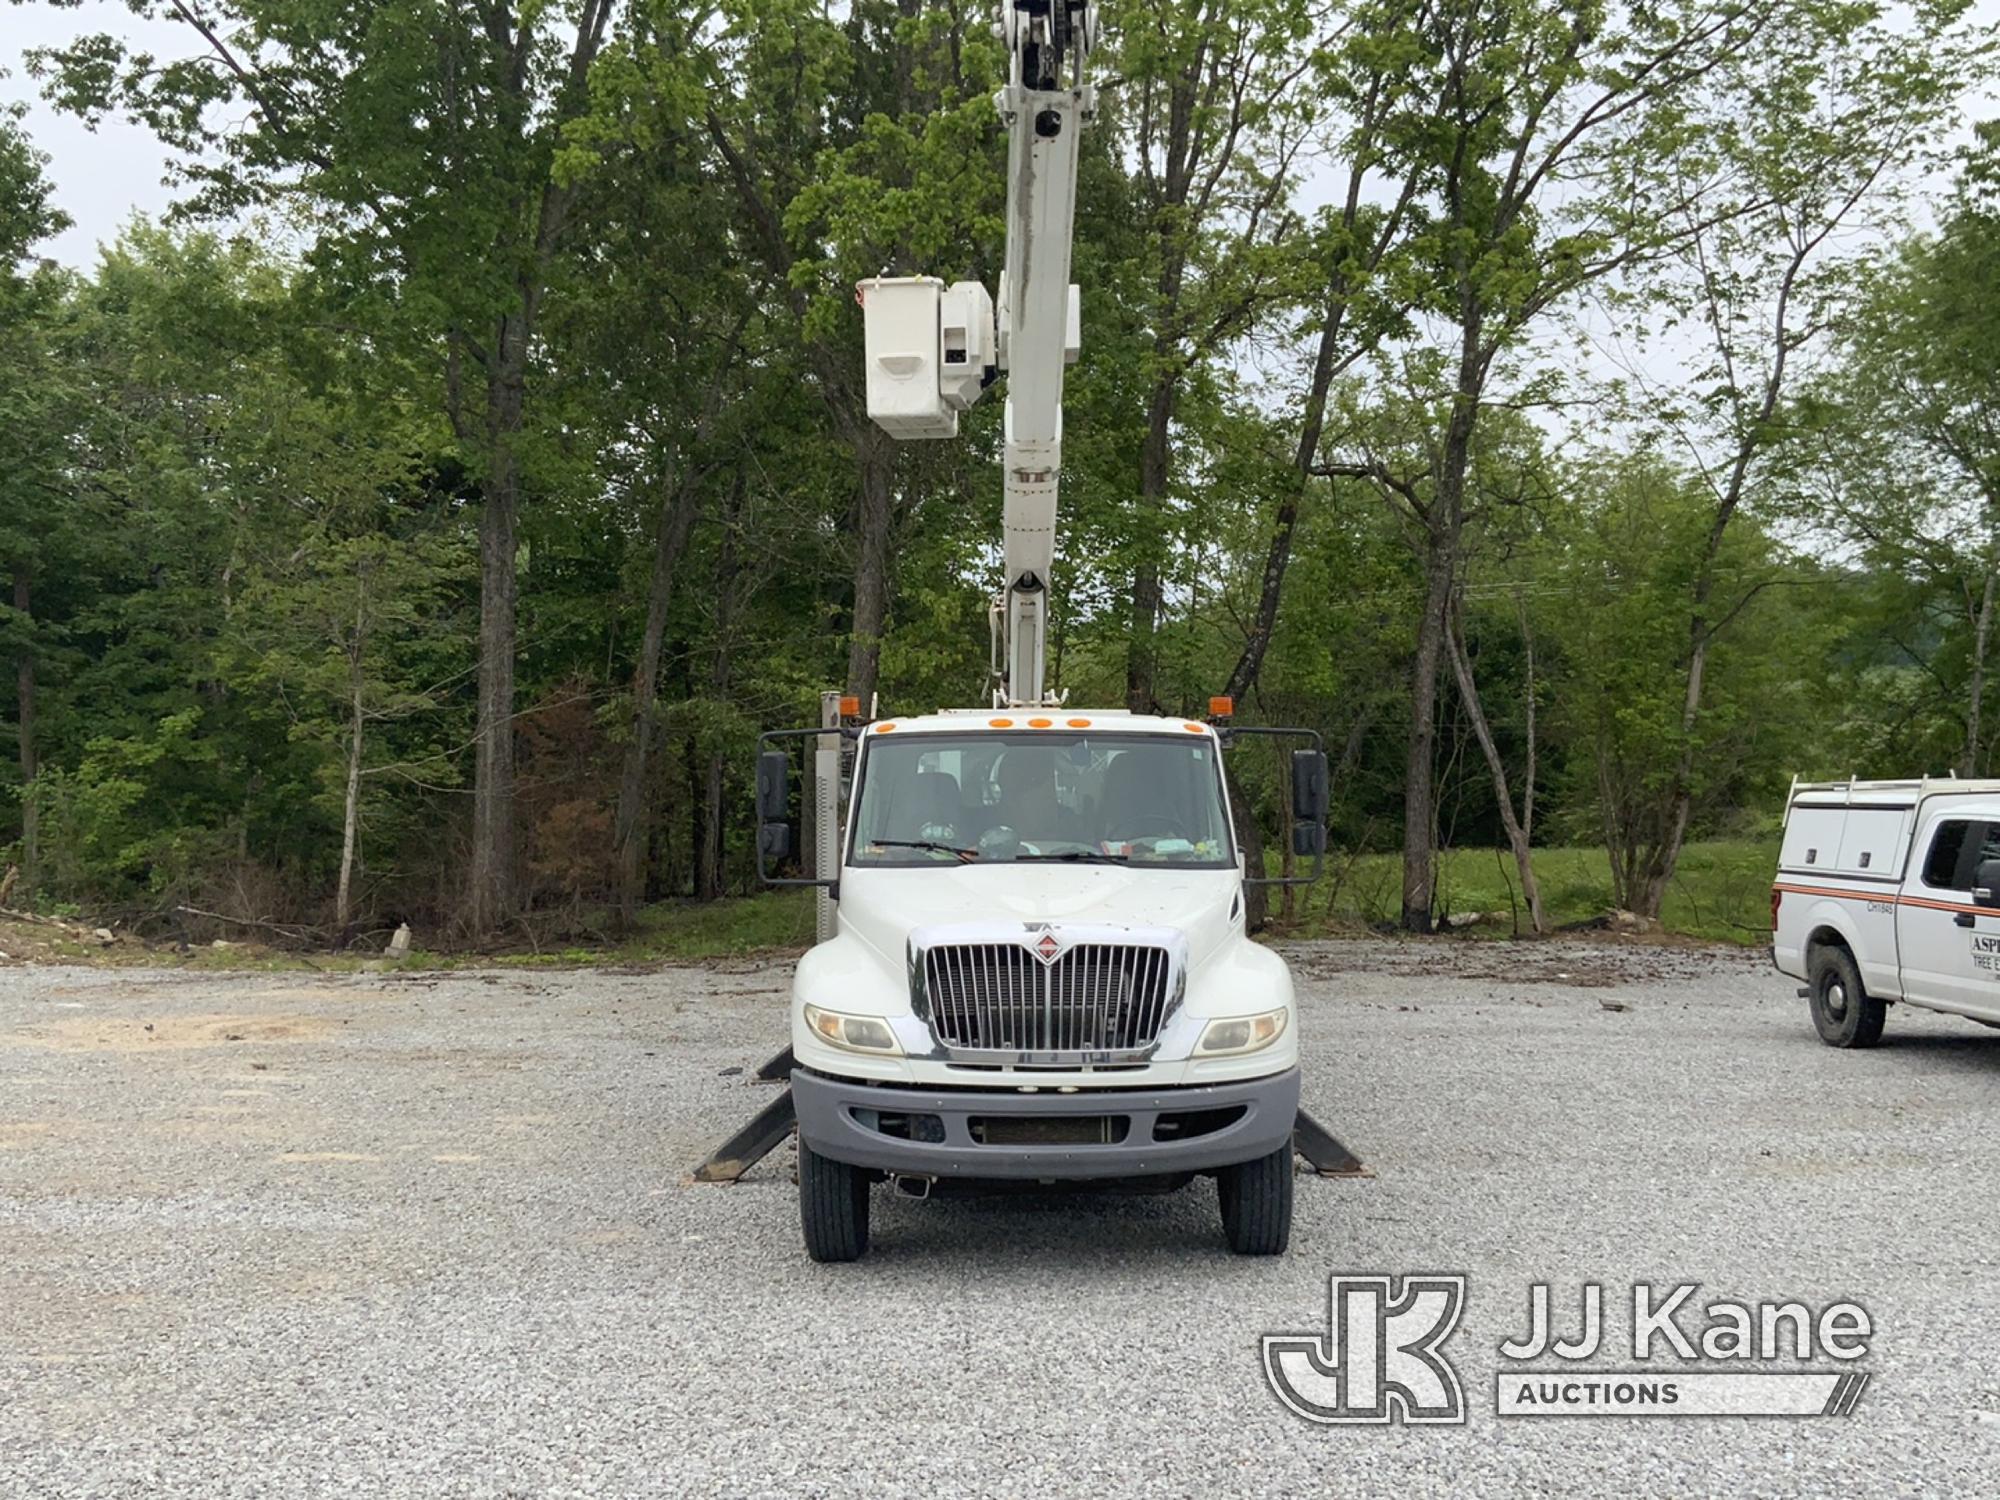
<point x="1161" y="826"/>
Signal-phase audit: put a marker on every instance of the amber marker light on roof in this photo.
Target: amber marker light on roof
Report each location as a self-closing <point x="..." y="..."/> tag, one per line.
<point x="1040" y="723"/>
<point x="1078" y="723"/>
<point x="884" y="728"/>
<point x="999" y="723"/>
<point x="1195" y="728"/>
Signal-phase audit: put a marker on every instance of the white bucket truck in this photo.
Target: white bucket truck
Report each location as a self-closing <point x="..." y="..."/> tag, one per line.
<point x="1034" y="967"/>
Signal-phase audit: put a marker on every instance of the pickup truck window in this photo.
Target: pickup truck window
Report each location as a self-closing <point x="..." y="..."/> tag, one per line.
<point x="1985" y="843"/>
<point x="1941" y="865"/>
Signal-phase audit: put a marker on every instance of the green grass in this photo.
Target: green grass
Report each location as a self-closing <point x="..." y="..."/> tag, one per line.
<point x="1721" y="890"/>
<point x="671" y="932"/>
<point x="719" y="929"/>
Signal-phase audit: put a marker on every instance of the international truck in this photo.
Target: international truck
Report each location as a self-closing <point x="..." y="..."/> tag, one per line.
<point x="1034" y="968"/>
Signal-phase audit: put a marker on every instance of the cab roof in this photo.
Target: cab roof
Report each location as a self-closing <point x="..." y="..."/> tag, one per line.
<point x="997" y="720"/>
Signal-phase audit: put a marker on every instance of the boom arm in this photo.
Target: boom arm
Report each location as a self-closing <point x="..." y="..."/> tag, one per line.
<point x="925" y="340"/>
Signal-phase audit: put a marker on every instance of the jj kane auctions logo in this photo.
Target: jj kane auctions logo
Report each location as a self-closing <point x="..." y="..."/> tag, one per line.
<point x="1382" y="1358"/>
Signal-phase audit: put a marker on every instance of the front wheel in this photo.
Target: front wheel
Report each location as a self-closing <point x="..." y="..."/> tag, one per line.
<point x="1843" y="1012"/>
<point x="1257" y="1203"/>
<point x="833" y="1207"/>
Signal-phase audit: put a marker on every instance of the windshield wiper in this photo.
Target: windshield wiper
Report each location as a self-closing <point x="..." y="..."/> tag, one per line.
<point x="932" y="844"/>
<point x="1079" y="856"/>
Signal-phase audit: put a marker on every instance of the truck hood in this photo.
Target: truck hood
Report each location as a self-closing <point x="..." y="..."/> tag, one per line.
<point x="882" y="907"/>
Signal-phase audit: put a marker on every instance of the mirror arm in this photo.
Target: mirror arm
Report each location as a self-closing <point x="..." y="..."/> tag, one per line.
<point x="1228" y="737"/>
<point x="831" y="884"/>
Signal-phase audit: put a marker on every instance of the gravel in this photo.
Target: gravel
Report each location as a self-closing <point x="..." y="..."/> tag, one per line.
<point x="388" y="1234"/>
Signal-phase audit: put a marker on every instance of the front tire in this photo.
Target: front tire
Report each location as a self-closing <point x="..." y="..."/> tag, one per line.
<point x="1257" y="1203"/>
<point x="833" y="1207"/>
<point x="1843" y="1012"/>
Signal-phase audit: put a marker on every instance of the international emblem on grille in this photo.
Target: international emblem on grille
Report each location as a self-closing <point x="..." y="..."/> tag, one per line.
<point x="1048" y="948"/>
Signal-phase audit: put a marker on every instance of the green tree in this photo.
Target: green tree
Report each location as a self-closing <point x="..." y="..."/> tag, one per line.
<point x="349" y="633"/>
<point x="1569" y="149"/>
<point x="419" y="143"/>
<point x="1210" y="109"/>
<point x="1907" y="457"/>
<point x="1804" y="134"/>
<point x="856" y="145"/>
<point x="1630" y="549"/>
<point x="36" y="407"/>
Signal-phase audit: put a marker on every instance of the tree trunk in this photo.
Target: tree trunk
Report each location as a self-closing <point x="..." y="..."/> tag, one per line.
<point x="1518" y="831"/>
<point x="696" y="801"/>
<point x="708" y="881"/>
<point x="1666" y="853"/>
<point x="1975" y="690"/>
<point x="1620" y="844"/>
<point x="1420" y="759"/>
<point x="350" y="820"/>
<point x="1278" y="556"/>
<point x="1328" y="361"/>
<point x="24" y="678"/>
<point x="1288" y="860"/>
<point x="875" y="461"/>
<point x="629" y="841"/>
<point x="1658" y="868"/>
<point x="709" y="871"/>
<point x="493" y="886"/>
<point x="350" y="817"/>
<point x="1444" y="524"/>
<point x="1155" y="466"/>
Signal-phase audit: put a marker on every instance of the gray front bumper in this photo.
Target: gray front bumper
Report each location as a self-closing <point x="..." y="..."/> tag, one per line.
<point x="828" y="1122"/>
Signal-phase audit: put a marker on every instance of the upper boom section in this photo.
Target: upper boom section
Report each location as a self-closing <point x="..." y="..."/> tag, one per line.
<point x="932" y="349"/>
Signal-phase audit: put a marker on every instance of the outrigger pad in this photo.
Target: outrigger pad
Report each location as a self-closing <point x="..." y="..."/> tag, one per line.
<point x="752" y="1143"/>
<point x="1323" y="1150"/>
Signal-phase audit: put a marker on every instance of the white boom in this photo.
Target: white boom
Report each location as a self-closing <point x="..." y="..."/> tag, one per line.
<point x="932" y="349"/>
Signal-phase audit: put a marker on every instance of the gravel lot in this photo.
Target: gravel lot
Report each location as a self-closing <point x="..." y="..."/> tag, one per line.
<point x="284" y="1235"/>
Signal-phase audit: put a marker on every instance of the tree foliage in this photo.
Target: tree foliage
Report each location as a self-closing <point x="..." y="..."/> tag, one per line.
<point x="444" y="563"/>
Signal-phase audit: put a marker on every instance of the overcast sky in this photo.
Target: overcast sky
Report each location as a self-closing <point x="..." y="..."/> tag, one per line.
<point x="103" y="177"/>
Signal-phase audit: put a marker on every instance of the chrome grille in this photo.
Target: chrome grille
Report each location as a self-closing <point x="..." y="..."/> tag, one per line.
<point x="999" y="997"/>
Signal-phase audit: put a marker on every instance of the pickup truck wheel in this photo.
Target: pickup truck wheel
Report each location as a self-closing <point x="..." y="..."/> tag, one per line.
<point x="1257" y="1203"/>
<point x="833" y="1207"/>
<point x="1843" y="1012"/>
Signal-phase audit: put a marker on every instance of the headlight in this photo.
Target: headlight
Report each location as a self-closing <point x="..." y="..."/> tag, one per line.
<point x="855" y="1033"/>
<point x="1229" y="1035"/>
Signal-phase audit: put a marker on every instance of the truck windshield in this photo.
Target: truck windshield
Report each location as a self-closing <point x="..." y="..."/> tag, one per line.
<point x="936" y="799"/>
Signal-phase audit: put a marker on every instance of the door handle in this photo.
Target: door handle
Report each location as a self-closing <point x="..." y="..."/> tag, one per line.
<point x="1964" y="919"/>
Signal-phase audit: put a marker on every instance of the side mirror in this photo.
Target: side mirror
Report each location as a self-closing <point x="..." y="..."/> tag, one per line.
<point x="774" y="793"/>
<point x="1986" y="884"/>
<point x="774" y="809"/>
<point x="1309" y="800"/>
<point x="1309" y="795"/>
<point x="774" y="842"/>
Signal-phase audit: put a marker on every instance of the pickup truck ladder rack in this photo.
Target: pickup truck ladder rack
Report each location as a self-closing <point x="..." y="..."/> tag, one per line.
<point x="1910" y="786"/>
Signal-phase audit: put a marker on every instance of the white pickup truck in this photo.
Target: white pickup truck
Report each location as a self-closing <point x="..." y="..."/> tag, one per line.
<point x="1889" y="891"/>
